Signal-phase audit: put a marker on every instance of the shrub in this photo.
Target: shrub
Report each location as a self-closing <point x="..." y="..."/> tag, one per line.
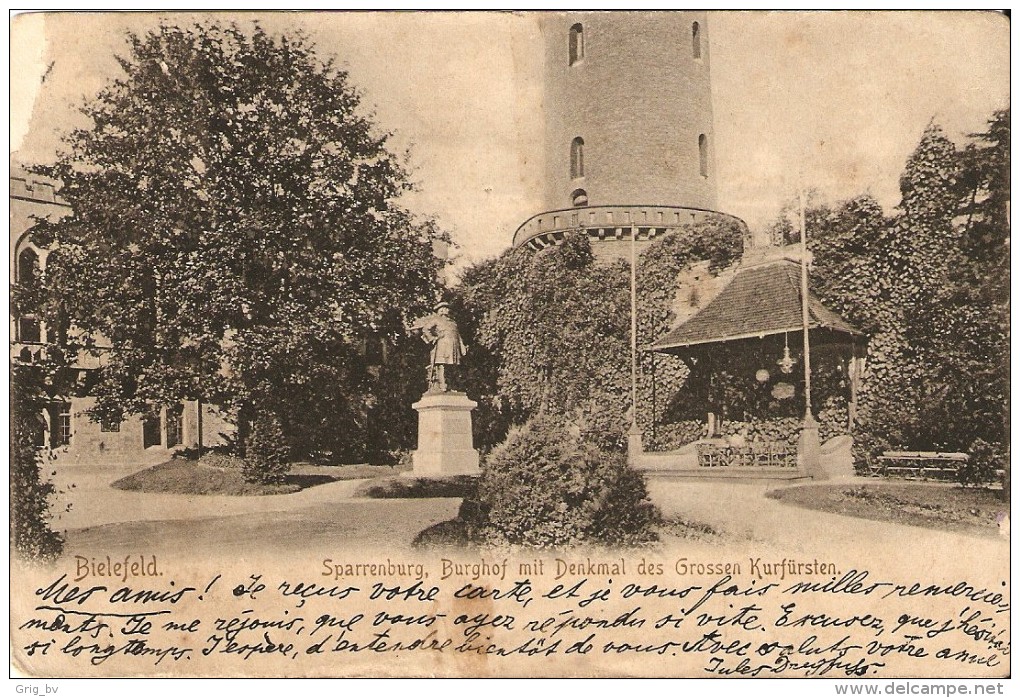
<point x="603" y="427"/>
<point x="267" y="456"/>
<point x="545" y="486"/>
<point x="980" y="469"/>
<point x="31" y="535"/>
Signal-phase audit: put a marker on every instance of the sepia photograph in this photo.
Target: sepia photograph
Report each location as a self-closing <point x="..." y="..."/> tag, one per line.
<point x="584" y="344"/>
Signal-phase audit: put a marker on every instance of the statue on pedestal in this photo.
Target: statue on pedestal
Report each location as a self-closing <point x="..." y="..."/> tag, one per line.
<point x="445" y="444"/>
<point x="440" y="331"/>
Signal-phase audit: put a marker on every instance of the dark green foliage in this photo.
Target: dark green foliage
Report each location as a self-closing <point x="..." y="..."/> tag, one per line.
<point x="246" y="212"/>
<point x="547" y="330"/>
<point x="31" y="535"/>
<point x="546" y="487"/>
<point x="267" y="456"/>
<point x="603" y="427"/>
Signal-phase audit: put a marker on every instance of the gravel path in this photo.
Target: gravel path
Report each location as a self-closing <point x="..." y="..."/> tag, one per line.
<point x="742" y="513"/>
<point x="104" y="520"/>
<point x="94" y="503"/>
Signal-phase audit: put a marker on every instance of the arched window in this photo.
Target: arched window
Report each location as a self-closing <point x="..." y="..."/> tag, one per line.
<point x="28" y="329"/>
<point x="696" y="40"/>
<point x="579" y="198"/>
<point x="576" y="43"/>
<point x="28" y="266"/>
<point x="577" y="158"/>
<point x="703" y="154"/>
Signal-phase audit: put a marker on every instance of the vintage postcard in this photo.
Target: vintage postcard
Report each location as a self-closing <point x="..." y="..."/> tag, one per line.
<point x="511" y="344"/>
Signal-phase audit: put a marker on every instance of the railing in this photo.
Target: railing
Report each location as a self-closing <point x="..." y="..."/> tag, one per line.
<point x="767" y="454"/>
<point x="610" y="218"/>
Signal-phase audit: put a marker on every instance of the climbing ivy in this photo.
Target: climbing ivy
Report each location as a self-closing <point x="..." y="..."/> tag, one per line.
<point x="552" y="328"/>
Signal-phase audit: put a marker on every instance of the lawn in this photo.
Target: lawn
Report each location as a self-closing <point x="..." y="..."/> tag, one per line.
<point x="944" y="507"/>
<point x="218" y="474"/>
<point x="404" y="487"/>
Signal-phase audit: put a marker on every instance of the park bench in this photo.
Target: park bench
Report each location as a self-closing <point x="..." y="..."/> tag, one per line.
<point x="918" y="465"/>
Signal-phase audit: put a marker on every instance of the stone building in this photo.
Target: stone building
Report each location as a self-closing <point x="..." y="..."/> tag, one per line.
<point x="629" y="144"/>
<point x="65" y="428"/>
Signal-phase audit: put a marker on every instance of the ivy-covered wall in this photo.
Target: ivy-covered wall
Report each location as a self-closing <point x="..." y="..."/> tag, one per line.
<point x="552" y="327"/>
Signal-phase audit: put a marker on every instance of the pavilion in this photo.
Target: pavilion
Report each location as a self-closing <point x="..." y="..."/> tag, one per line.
<point x="751" y="334"/>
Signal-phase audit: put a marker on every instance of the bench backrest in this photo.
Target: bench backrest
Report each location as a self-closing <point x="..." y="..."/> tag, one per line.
<point x="925" y="455"/>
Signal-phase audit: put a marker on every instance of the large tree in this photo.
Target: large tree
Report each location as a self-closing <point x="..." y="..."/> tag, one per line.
<point x="236" y="233"/>
<point x="930" y="287"/>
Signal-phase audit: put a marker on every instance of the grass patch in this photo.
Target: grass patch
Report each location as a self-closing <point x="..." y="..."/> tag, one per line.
<point x="418" y="487"/>
<point x="220" y="474"/>
<point x="965" y="510"/>
<point x="454" y="533"/>
<point x="688" y="530"/>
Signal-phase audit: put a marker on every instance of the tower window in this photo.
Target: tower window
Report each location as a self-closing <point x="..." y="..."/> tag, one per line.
<point x="576" y="43"/>
<point x="696" y="40"/>
<point x="579" y="198"/>
<point x="703" y="154"/>
<point x="577" y="158"/>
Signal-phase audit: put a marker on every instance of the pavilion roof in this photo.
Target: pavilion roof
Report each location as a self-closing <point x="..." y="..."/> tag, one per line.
<point x="760" y="300"/>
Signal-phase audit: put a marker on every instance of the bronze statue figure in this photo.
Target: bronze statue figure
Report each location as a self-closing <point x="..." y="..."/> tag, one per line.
<point x="440" y="331"/>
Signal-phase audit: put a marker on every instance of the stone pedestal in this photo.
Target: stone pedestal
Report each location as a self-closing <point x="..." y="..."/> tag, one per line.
<point x="634" y="446"/>
<point x="445" y="446"/>
<point x="809" y="450"/>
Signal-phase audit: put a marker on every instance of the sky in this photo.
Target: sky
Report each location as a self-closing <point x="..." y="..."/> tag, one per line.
<point x="831" y="101"/>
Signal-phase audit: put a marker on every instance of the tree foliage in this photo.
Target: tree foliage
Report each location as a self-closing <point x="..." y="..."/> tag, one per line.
<point x="930" y="287"/>
<point x="235" y="231"/>
<point x="31" y="535"/>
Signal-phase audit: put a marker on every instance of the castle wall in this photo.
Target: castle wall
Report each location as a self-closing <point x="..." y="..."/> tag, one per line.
<point x="30" y="197"/>
<point x="91" y="443"/>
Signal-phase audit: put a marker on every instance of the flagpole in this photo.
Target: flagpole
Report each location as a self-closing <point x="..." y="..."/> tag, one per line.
<point x="633" y="324"/>
<point x="805" y="313"/>
<point x="634" y="445"/>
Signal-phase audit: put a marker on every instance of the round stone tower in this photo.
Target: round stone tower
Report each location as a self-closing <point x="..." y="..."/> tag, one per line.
<point x="628" y="127"/>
